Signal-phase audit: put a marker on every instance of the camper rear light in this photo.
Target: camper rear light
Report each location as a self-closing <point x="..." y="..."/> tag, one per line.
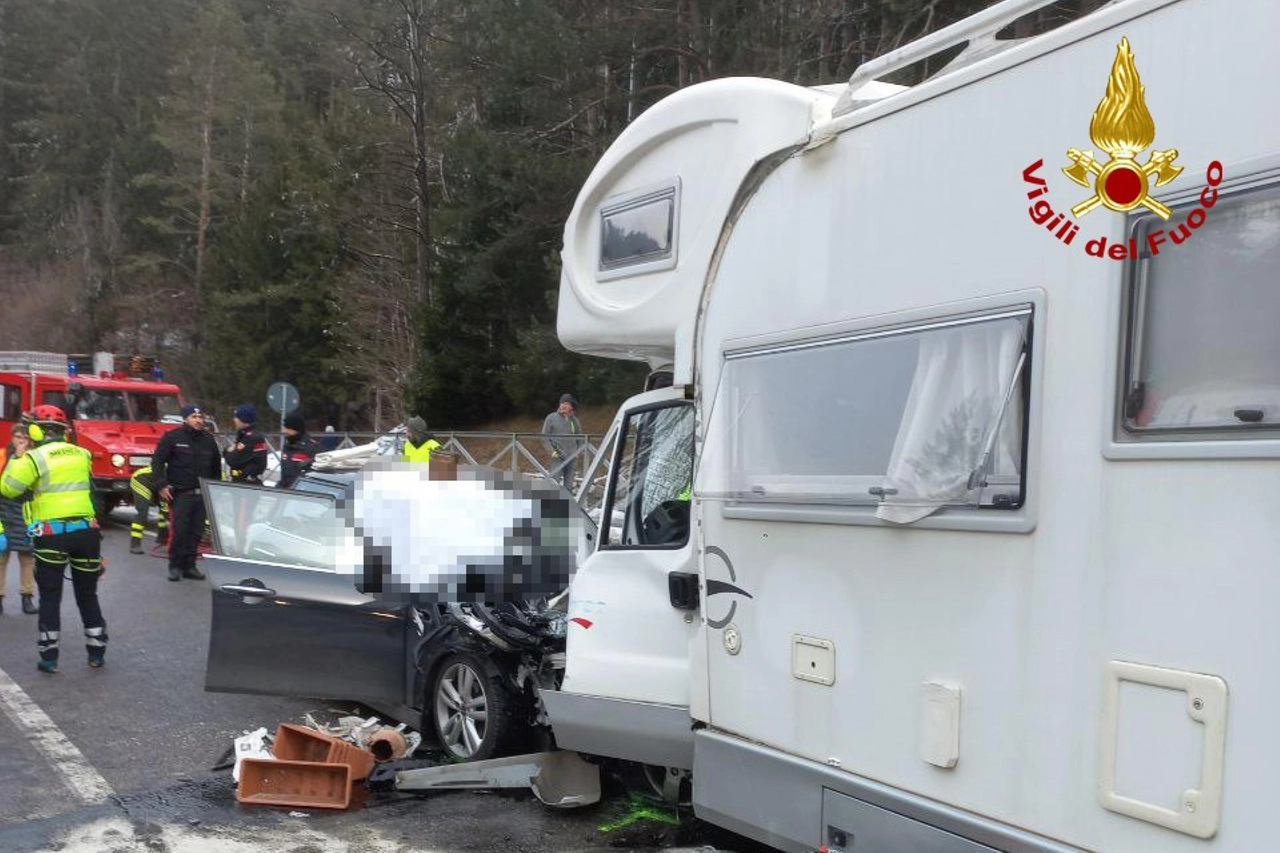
<point x="117" y="460"/>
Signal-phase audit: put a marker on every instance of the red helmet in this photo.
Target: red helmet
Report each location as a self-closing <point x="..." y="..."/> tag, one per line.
<point x="49" y="414"/>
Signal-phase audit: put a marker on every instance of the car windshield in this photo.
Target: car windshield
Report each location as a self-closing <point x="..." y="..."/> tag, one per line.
<point x="149" y="406"/>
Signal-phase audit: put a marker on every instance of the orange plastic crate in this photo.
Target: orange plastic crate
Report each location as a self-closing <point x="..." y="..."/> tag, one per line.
<point x="301" y="784"/>
<point x="299" y="743"/>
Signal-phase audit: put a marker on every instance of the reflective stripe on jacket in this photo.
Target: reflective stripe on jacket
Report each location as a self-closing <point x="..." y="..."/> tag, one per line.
<point x="142" y="482"/>
<point x="58" y="475"/>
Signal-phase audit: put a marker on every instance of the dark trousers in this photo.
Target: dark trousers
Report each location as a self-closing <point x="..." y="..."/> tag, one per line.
<point x="565" y="470"/>
<point x="80" y="555"/>
<point x="188" y="527"/>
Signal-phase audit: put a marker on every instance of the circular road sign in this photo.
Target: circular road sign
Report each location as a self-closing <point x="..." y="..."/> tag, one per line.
<point x="282" y="397"/>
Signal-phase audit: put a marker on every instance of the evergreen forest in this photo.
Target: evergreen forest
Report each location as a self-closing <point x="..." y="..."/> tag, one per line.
<point x="362" y="197"/>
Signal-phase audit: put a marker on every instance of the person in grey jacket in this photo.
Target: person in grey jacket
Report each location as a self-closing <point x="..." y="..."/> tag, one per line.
<point x="564" y="440"/>
<point x="15" y="528"/>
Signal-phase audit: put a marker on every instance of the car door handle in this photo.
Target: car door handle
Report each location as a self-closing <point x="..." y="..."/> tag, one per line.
<point x="251" y="591"/>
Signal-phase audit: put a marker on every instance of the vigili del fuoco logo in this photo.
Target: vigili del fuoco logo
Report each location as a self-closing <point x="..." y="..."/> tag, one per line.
<point x="1123" y="129"/>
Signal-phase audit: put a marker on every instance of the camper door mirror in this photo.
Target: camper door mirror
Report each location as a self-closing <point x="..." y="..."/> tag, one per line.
<point x="75" y="389"/>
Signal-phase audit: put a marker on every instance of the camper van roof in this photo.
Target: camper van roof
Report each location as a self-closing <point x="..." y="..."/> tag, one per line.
<point x="982" y="56"/>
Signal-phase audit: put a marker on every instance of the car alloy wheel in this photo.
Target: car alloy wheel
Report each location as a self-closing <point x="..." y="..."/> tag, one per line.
<point x="461" y="705"/>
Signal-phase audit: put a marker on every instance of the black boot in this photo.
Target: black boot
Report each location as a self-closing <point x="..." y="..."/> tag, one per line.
<point x="29" y="606"/>
<point x="1" y="603"/>
<point x="175" y="573"/>
<point x="193" y="573"/>
<point x="135" y="546"/>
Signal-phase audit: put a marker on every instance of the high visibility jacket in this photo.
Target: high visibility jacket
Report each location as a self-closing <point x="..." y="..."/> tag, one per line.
<point x="58" y="475"/>
<point x="421" y="452"/>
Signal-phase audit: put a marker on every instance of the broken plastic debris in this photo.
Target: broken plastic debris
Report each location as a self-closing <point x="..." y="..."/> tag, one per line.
<point x="299" y="814"/>
<point x="254" y="744"/>
<point x="362" y="730"/>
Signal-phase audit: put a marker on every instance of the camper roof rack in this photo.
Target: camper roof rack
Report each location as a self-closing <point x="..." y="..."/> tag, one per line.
<point x="978" y="31"/>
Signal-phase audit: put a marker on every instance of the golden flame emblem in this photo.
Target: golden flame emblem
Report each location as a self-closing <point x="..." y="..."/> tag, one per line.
<point x="1122" y="127"/>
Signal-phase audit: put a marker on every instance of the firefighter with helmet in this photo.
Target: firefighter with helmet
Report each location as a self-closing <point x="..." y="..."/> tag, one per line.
<point x="63" y="530"/>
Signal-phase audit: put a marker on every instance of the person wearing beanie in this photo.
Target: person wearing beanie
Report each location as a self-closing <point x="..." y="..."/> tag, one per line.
<point x="183" y="458"/>
<point x="418" y="444"/>
<point x="564" y="440"/>
<point x="246" y="456"/>
<point x="299" y="450"/>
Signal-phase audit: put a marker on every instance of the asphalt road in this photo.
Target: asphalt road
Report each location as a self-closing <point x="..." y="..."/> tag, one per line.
<point x="119" y="759"/>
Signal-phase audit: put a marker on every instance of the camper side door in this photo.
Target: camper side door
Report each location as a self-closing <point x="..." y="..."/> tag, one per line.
<point x="633" y="609"/>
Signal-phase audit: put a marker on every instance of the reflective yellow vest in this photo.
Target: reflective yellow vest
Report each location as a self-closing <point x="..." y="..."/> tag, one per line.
<point x="58" y="475"/>
<point x="421" y="453"/>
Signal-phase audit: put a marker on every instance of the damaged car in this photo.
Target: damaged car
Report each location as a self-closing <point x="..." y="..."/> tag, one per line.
<point x="437" y="603"/>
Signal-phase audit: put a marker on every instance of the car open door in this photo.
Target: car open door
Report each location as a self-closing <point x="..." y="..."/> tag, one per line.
<point x="287" y="616"/>
<point x="633" y="603"/>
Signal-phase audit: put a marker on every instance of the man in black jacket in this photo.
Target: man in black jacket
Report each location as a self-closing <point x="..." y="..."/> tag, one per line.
<point x="299" y="450"/>
<point x="247" y="455"/>
<point x="183" y="458"/>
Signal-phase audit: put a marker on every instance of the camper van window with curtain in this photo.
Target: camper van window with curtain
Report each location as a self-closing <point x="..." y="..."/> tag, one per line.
<point x="1202" y="344"/>
<point x="909" y="420"/>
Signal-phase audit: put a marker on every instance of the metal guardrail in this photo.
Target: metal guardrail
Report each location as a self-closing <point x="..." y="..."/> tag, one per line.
<point x="516" y="452"/>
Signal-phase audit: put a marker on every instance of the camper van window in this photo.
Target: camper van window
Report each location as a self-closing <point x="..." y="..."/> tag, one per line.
<point x="907" y="420"/>
<point x="638" y="229"/>
<point x="650" y="495"/>
<point x="1202" y="346"/>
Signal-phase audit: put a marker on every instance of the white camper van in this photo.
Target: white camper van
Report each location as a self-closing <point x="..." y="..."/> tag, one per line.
<point x="956" y="529"/>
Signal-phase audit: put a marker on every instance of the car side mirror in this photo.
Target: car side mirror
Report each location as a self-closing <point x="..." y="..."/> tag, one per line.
<point x="75" y="389"/>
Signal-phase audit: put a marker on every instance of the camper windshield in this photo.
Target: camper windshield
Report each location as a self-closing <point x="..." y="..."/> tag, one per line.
<point x="152" y="407"/>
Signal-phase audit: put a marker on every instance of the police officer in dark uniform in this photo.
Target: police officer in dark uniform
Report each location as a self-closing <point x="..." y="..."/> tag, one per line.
<point x="247" y="454"/>
<point x="183" y="458"/>
<point x="299" y="450"/>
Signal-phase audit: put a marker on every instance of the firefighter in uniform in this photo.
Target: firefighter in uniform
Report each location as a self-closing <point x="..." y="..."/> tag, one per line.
<point x="143" y="484"/>
<point x="298" y="452"/>
<point x="63" y="530"/>
<point x="183" y="457"/>
<point x="247" y="454"/>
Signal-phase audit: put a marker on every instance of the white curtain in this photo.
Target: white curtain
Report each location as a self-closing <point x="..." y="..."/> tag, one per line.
<point x="960" y="382"/>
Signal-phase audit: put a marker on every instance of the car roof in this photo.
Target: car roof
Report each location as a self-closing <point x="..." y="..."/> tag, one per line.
<point x="339" y="484"/>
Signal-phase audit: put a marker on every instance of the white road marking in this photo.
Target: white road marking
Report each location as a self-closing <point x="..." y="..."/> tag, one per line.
<point x="76" y="771"/>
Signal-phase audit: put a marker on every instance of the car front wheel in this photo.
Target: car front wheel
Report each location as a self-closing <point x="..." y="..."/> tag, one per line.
<point x="472" y="710"/>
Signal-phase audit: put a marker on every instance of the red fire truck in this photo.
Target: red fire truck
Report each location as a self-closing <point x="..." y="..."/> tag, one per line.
<point x="116" y="414"/>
